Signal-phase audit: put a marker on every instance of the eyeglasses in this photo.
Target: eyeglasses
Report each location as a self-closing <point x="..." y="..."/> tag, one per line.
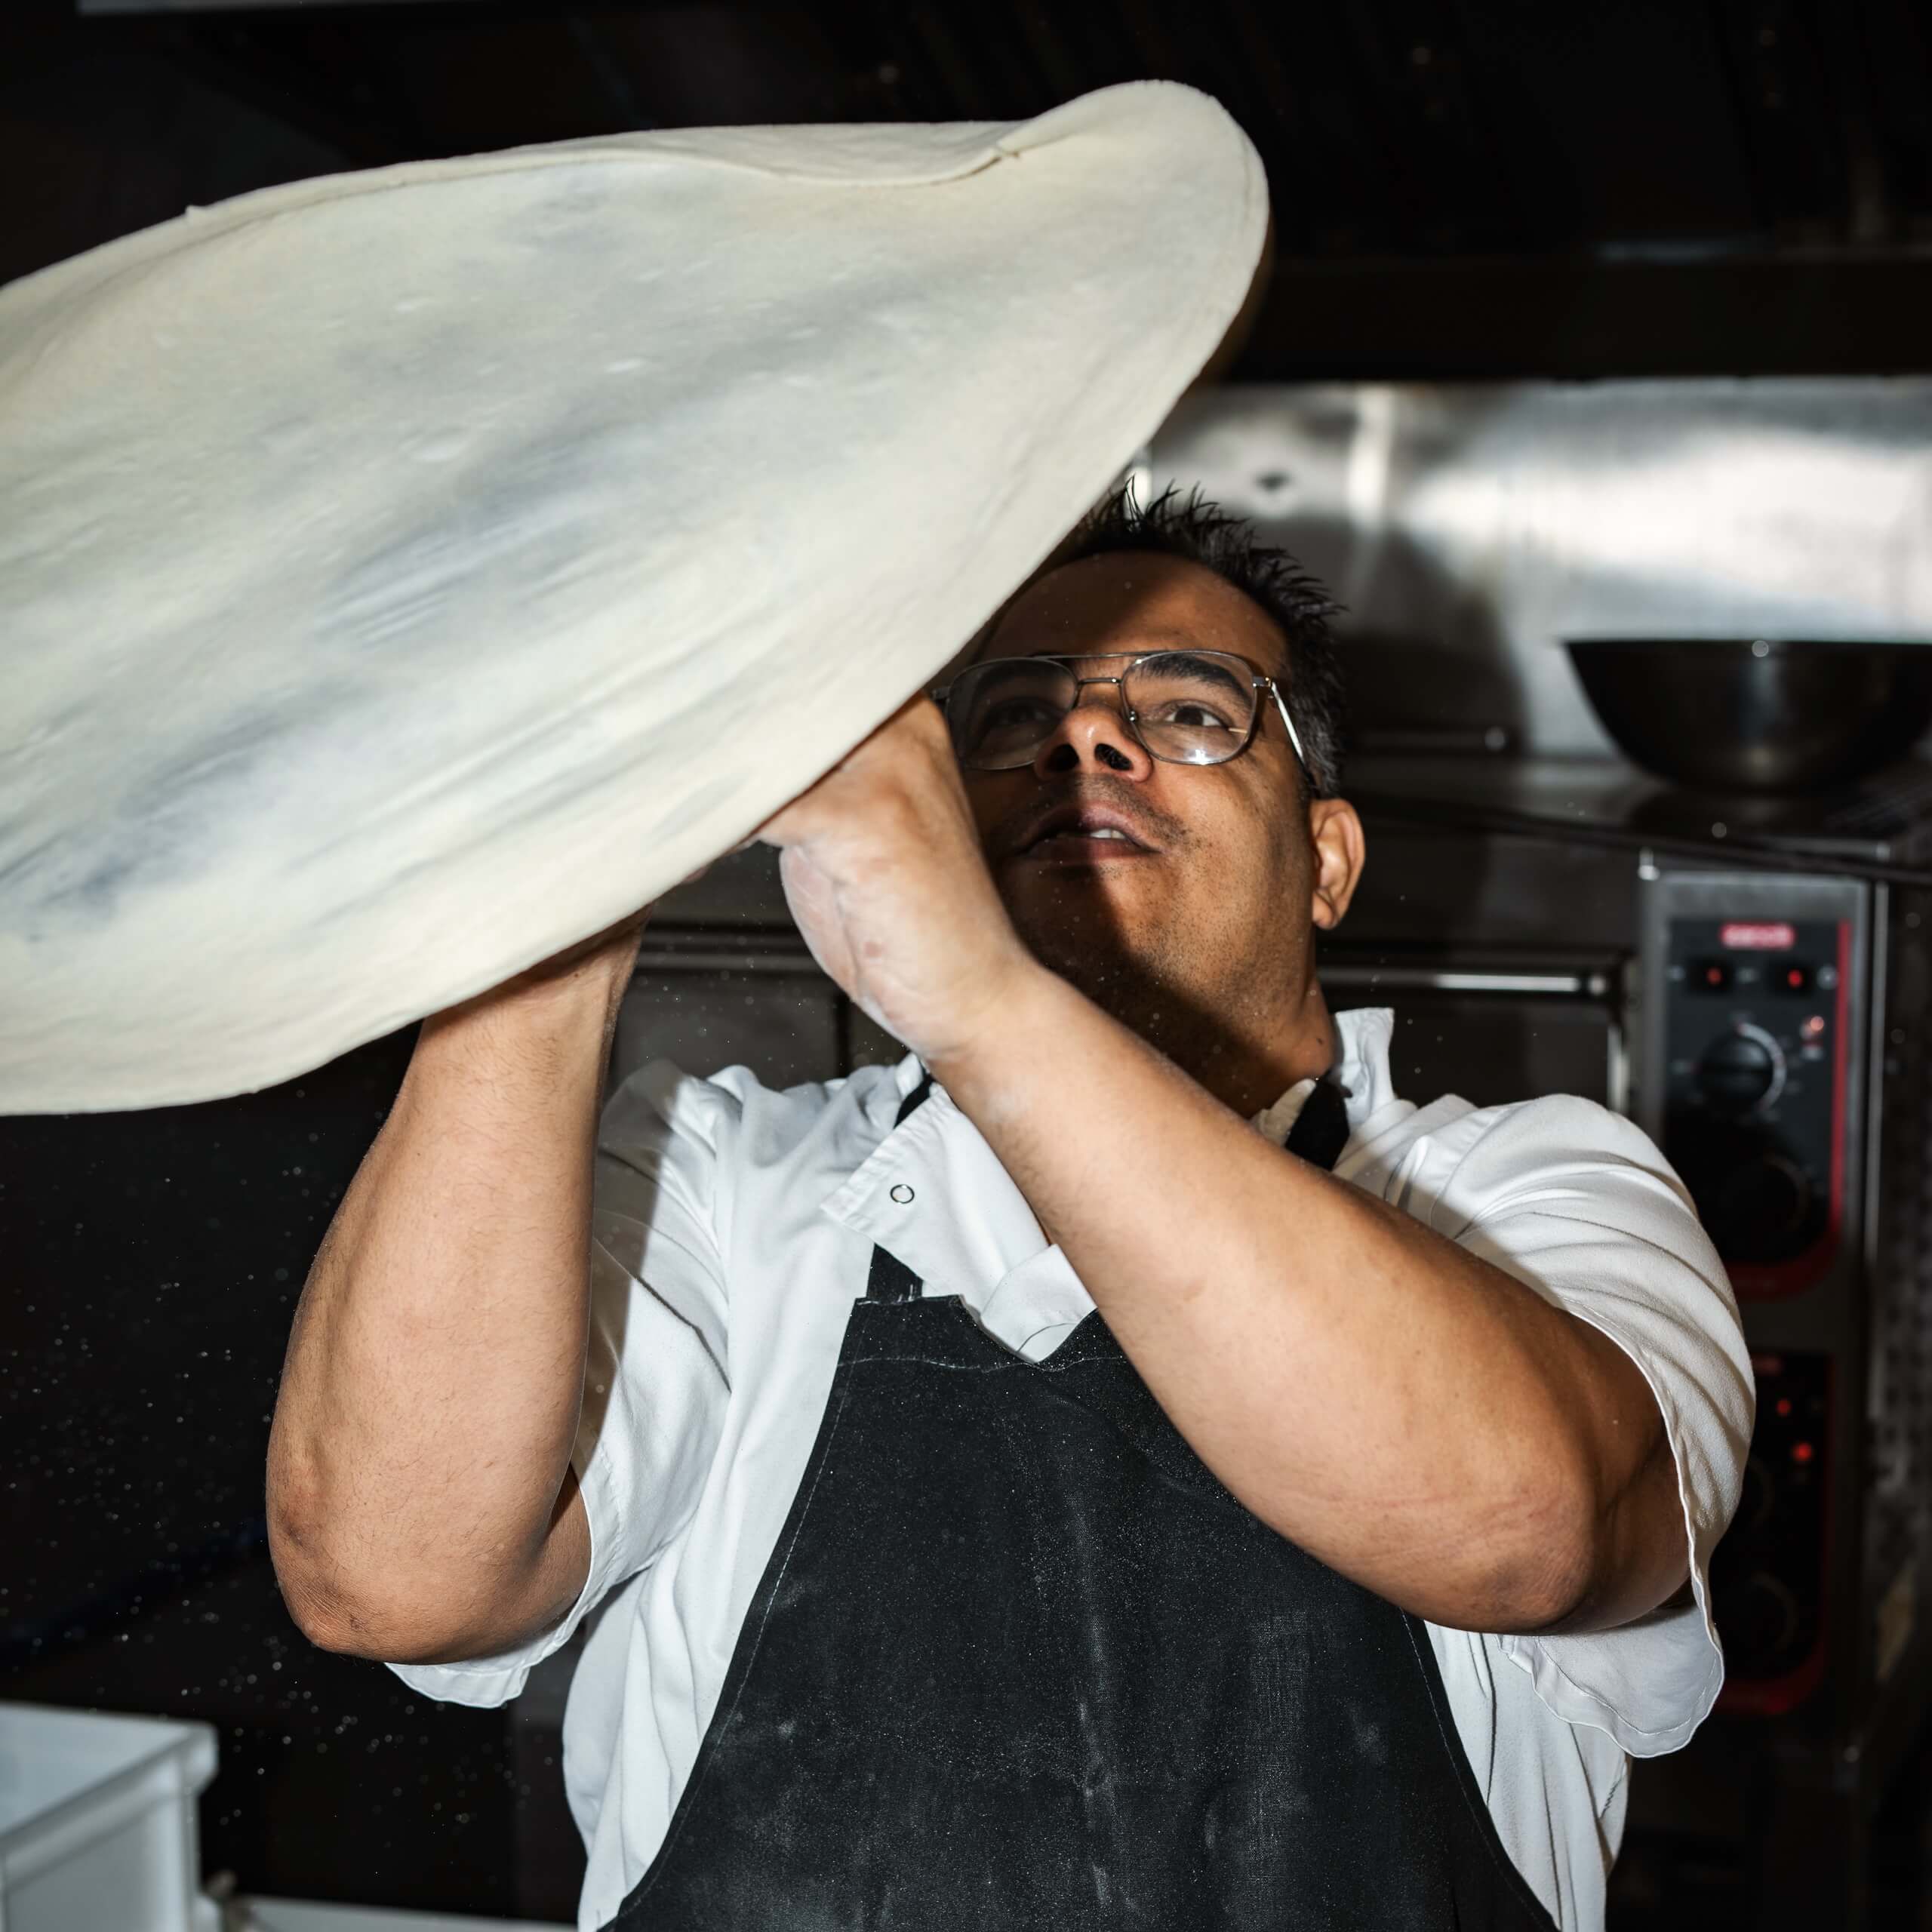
<point x="1183" y="707"/>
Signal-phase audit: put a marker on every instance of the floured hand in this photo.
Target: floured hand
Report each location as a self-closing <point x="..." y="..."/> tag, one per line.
<point x="884" y="873"/>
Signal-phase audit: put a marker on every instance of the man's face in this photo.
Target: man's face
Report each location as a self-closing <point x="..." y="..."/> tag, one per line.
<point x="1208" y="898"/>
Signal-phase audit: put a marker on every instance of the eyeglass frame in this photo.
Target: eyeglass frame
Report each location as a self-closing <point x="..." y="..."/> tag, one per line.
<point x="1261" y="681"/>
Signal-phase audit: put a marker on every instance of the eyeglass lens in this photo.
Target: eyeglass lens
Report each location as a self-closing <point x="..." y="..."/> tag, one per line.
<point x="1191" y="707"/>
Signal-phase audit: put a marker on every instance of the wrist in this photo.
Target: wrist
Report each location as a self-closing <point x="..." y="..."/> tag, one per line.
<point x="1021" y="1013"/>
<point x="592" y="974"/>
<point x="555" y="1016"/>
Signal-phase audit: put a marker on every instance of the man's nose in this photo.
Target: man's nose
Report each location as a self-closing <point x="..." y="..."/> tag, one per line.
<point x="1094" y="734"/>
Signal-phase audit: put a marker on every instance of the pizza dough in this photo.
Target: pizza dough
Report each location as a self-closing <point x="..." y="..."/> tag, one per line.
<point x="405" y="574"/>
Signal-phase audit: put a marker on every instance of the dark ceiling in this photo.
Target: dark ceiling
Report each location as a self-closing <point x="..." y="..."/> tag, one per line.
<point x="1461" y="187"/>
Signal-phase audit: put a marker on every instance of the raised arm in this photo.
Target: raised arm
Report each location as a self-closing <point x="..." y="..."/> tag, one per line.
<point x="1418" y="1419"/>
<point x="421" y="1504"/>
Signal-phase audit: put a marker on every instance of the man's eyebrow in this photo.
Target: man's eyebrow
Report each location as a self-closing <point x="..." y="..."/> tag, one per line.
<point x="1209" y="669"/>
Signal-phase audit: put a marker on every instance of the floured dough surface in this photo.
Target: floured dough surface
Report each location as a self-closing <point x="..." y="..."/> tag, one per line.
<point x="405" y="574"/>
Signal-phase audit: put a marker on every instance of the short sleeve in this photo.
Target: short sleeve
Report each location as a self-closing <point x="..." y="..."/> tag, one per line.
<point x="1578" y="1204"/>
<point x="657" y="1371"/>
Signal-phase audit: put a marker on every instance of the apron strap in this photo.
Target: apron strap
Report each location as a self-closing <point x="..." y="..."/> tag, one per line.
<point x="1319" y="1132"/>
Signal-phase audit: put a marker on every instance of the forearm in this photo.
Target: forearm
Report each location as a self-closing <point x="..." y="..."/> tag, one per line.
<point x="1413" y="1416"/>
<point x="419" y="1500"/>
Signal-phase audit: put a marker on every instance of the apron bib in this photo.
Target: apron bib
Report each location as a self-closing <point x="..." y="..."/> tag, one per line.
<point x="1019" y="1663"/>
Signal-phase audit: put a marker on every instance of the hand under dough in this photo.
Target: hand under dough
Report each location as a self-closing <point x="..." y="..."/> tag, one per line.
<point x="884" y="872"/>
<point x="609" y="958"/>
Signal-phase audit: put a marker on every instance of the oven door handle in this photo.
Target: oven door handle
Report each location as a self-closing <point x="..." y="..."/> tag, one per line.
<point x="1590" y="985"/>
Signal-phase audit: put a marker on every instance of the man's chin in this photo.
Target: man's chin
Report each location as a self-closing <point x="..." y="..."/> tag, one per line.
<point x="1127" y="890"/>
<point x="1092" y="941"/>
<point x="1072" y="904"/>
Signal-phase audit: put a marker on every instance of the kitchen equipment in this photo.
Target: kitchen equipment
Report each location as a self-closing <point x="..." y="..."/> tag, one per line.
<point x="98" y="1823"/>
<point x="1777" y="1073"/>
<point x="265" y="1915"/>
<point x="1492" y="1023"/>
<point x="1757" y="714"/>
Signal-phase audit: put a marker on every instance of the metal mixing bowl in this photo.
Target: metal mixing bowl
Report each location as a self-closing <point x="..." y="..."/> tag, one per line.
<point x="1757" y="714"/>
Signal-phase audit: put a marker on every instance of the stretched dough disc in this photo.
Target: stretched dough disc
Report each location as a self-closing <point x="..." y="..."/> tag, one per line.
<point x="406" y="574"/>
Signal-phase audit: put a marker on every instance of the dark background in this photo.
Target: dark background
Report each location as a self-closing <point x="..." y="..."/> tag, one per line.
<point x="1464" y="188"/>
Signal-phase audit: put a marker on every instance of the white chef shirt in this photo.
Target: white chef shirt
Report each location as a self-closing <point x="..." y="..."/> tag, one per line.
<point x="733" y="1228"/>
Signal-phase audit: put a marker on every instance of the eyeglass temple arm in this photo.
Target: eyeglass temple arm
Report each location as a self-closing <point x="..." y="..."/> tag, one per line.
<point x="1288" y="725"/>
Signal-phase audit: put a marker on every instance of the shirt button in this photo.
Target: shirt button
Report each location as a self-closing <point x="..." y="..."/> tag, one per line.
<point x="902" y="1193"/>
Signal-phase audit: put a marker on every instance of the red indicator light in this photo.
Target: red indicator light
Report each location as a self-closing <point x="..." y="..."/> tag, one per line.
<point x="1795" y="977"/>
<point x="1784" y="1405"/>
<point x="1802" y="1452"/>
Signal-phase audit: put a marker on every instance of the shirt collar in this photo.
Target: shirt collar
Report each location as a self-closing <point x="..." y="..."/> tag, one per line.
<point x="934" y="1194"/>
<point x="1362" y="1038"/>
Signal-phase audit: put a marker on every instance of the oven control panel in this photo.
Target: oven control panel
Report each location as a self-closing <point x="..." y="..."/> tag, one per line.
<point x="1753" y="1099"/>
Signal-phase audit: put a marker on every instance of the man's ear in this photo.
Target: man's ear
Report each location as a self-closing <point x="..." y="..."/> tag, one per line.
<point x="1335" y="832"/>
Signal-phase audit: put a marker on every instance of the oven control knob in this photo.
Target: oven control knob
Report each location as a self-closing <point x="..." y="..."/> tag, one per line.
<point x="1761" y="1210"/>
<point x="1742" y="1072"/>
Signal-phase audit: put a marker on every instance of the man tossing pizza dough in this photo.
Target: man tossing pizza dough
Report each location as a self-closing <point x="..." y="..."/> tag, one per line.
<point x="1122" y="1465"/>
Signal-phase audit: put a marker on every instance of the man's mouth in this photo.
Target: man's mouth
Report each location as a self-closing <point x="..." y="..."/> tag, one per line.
<point x="1081" y="836"/>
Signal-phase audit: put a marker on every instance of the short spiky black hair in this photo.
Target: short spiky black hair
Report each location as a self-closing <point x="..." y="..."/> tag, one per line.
<point x="1200" y="532"/>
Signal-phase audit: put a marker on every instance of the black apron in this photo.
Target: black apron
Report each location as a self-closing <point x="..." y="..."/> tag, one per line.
<point x="1019" y="1663"/>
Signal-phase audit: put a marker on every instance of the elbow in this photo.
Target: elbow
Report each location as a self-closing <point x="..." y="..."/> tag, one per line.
<point x="1566" y="1580"/>
<point x="1544" y="1577"/>
<point x="331" y="1622"/>
<point x="310" y="1591"/>
<point x="331" y="1617"/>
<point x="351" y="1625"/>
<point x="338" y="1613"/>
<point x="1549" y="1590"/>
<point x="1610" y="1558"/>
